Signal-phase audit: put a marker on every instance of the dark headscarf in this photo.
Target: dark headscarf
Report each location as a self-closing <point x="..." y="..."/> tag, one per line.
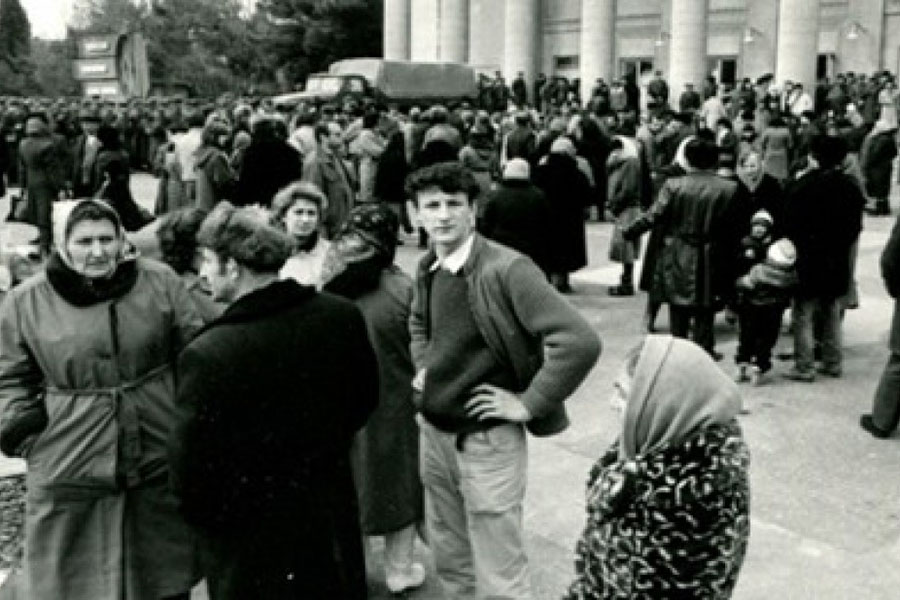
<point x="362" y="249"/>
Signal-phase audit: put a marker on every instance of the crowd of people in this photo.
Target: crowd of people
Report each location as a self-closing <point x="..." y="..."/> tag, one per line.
<point x="276" y="390"/>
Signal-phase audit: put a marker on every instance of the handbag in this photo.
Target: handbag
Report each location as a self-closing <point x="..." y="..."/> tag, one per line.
<point x="18" y="208"/>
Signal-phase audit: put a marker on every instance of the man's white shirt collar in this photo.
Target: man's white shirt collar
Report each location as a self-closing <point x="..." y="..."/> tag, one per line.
<point x="455" y="261"/>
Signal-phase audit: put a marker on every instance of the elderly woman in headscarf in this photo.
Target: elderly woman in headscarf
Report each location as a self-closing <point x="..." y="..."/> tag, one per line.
<point x="568" y="193"/>
<point x="360" y="267"/>
<point x="87" y="386"/>
<point x="668" y="505"/>
<point x="299" y="209"/>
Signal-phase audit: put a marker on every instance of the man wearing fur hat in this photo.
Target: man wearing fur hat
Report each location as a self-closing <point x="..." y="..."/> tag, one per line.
<point x="261" y="463"/>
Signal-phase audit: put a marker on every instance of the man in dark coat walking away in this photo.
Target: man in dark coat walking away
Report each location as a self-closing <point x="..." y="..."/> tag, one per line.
<point x="823" y="217"/>
<point x="274" y="389"/>
<point x="692" y="214"/>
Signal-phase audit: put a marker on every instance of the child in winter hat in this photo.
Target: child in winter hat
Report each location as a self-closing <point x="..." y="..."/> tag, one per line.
<point x="763" y="294"/>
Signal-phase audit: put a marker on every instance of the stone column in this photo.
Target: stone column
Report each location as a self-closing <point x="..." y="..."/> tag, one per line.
<point x="758" y="52"/>
<point x="454" y="34"/>
<point x="424" y="30"/>
<point x="687" y="45"/>
<point x="798" y="42"/>
<point x="522" y="39"/>
<point x="396" y="29"/>
<point x="598" y="43"/>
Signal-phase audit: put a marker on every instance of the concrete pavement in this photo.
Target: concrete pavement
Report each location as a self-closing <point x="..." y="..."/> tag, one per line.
<point x="825" y="494"/>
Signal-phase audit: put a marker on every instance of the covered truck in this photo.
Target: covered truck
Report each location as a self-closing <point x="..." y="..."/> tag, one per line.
<point x="400" y="82"/>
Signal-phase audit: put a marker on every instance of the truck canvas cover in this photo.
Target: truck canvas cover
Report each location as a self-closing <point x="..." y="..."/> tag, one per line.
<point x="403" y="79"/>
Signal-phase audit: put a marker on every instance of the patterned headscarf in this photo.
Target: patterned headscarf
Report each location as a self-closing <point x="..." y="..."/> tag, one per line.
<point x="366" y="243"/>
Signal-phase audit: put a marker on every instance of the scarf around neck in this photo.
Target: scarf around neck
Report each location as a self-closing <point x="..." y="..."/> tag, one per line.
<point x="81" y="291"/>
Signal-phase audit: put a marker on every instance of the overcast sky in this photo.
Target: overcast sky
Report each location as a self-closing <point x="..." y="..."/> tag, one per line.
<point x="48" y="17"/>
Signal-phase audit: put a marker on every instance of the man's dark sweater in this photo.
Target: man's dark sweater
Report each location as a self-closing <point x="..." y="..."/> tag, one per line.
<point x="458" y="359"/>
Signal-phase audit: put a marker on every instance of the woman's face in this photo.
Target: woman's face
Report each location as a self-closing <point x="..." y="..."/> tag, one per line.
<point x="751" y="164"/>
<point x="94" y="248"/>
<point x="302" y="219"/>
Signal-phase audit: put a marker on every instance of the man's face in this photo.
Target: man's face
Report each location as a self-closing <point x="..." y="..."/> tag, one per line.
<point x="335" y="139"/>
<point x="217" y="276"/>
<point x="90" y="127"/>
<point x="448" y="218"/>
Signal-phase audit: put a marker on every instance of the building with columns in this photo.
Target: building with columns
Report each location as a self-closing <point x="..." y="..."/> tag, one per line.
<point x="798" y="40"/>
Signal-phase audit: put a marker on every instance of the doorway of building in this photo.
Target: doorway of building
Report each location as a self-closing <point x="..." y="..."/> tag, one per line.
<point x="637" y="66"/>
<point x="724" y="69"/>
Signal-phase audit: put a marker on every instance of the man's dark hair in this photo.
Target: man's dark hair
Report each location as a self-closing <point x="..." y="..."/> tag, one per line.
<point x="449" y="177"/>
<point x="177" y="235"/>
<point x="701" y="154"/>
<point x="245" y="236"/>
<point x="829" y="151"/>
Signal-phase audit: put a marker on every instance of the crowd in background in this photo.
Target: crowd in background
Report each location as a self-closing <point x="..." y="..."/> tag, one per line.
<point x="746" y="199"/>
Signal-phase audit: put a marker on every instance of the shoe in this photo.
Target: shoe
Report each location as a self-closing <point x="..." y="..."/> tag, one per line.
<point x="412" y="577"/>
<point x="741" y="375"/>
<point x="621" y="290"/>
<point x="866" y="422"/>
<point x="830" y="371"/>
<point x="797" y="375"/>
<point x="758" y="376"/>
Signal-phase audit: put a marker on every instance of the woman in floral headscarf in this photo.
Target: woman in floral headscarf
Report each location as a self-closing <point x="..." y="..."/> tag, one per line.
<point x="668" y="503"/>
<point x="360" y="266"/>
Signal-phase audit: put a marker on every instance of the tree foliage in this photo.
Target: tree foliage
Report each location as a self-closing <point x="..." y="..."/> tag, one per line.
<point x="212" y="46"/>
<point x="15" y="47"/>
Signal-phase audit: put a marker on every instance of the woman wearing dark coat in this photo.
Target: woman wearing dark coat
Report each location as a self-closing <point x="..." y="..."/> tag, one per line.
<point x="270" y="163"/>
<point x="391" y="178"/>
<point x="261" y="463"/>
<point x="668" y="505"/>
<point x="568" y="194"/>
<point x="42" y="166"/>
<point x="215" y="179"/>
<point x="386" y="451"/>
<point x="516" y="214"/>
<point x="761" y="190"/>
<point x="876" y="159"/>
<point x="111" y="176"/>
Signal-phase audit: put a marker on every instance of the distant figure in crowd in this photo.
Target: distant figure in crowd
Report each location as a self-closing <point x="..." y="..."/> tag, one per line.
<point x="261" y="461"/>
<point x="299" y="209"/>
<point x="823" y="218"/>
<point x="113" y="177"/>
<point x="186" y="146"/>
<point x="668" y="505"/>
<point x="42" y="175"/>
<point x="624" y="202"/>
<point x="87" y="383"/>
<point x="386" y="450"/>
<point x="367" y="149"/>
<point x="215" y="179"/>
<point x="325" y="168"/>
<point x="691" y="213"/>
<point x="876" y="158"/>
<point x="496" y="349"/>
<point x="517" y="215"/>
<point x="269" y="164"/>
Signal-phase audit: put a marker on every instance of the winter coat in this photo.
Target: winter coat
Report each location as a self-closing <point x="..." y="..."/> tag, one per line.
<point x="776" y="146"/>
<point x="681" y="518"/>
<point x="215" y="179"/>
<point x="261" y="461"/>
<point x="823" y="218"/>
<point x="112" y="175"/>
<point x="332" y="176"/>
<point x="623" y="182"/>
<point x="386" y="451"/>
<point x="890" y="273"/>
<point x="568" y="194"/>
<point x="367" y="149"/>
<point x="877" y="162"/>
<point x="516" y="214"/>
<point x="768" y="196"/>
<point x="692" y="214"/>
<point x="101" y="522"/>
<point x="42" y="174"/>
<point x="482" y="162"/>
<point x="767" y="284"/>
<point x="268" y="166"/>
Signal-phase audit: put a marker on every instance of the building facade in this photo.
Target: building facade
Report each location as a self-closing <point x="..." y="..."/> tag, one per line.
<point x="798" y="40"/>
